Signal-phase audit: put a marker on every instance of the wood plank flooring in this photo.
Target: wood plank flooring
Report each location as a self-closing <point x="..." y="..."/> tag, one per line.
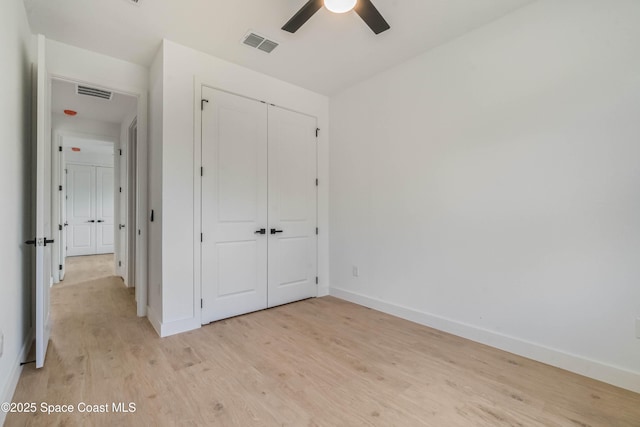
<point x="319" y="362"/>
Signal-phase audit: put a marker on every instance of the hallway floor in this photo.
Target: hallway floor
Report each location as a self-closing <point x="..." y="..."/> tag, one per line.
<point x="86" y="268"/>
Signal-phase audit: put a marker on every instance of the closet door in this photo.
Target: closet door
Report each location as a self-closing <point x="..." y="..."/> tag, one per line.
<point x="292" y="207"/>
<point x="234" y="205"/>
<point x="81" y="208"/>
<point x="104" y="210"/>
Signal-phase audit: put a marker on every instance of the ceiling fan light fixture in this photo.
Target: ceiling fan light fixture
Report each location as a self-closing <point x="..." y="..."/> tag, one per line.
<point x="340" y="6"/>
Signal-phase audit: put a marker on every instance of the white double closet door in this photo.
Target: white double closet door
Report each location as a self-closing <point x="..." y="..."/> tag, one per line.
<point x="90" y="210"/>
<point x="259" y="194"/>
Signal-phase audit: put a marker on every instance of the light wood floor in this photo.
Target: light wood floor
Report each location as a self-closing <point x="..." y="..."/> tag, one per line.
<point x="80" y="269"/>
<point x="320" y="362"/>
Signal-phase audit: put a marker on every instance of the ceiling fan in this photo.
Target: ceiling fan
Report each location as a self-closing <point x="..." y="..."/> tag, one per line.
<point x="364" y="8"/>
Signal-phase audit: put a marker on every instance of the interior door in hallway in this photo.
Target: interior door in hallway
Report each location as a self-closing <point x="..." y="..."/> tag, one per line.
<point x="292" y="207"/>
<point x="81" y="200"/>
<point x="234" y="205"/>
<point x="104" y="210"/>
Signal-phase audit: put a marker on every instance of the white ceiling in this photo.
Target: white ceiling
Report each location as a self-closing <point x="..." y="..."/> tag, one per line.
<point x="330" y="52"/>
<point x="64" y="97"/>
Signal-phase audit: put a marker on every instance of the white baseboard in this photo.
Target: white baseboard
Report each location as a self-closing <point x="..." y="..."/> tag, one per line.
<point x="14" y="376"/>
<point x="171" y="328"/>
<point x="154" y="319"/>
<point x="179" y="326"/>
<point x="323" y="291"/>
<point x="577" y="364"/>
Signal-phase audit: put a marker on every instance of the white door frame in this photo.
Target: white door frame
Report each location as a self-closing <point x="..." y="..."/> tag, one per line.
<point x="141" y="225"/>
<point x="198" y="83"/>
<point x="58" y="218"/>
<point x="132" y="203"/>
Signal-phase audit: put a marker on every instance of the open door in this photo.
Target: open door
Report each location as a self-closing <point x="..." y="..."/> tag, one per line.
<point x="42" y="241"/>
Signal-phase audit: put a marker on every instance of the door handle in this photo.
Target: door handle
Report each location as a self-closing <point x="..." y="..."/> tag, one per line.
<point x="274" y="231"/>
<point x="92" y="220"/>
<point x="261" y="231"/>
<point x="100" y="220"/>
<point x="120" y="226"/>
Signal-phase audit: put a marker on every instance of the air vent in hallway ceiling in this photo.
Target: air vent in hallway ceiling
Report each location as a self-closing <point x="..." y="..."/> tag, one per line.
<point x="92" y="91"/>
<point x="259" y="42"/>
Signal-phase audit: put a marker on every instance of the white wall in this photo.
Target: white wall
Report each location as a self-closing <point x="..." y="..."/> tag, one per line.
<point x="490" y="187"/>
<point x="16" y="55"/>
<point x="155" y="188"/>
<point x="180" y="292"/>
<point x="61" y="123"/>
<point x="87" y="157"/>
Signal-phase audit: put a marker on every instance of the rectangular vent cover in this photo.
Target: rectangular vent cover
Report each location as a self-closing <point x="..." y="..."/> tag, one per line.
<point x="259" y="42"/>
<point x="92" y="91"/>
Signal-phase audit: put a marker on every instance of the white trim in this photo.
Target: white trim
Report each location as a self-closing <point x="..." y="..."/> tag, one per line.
<point x="614" y="375"/>
<point x="323" y="291"/>
<point x="179" y="326"/>
<point x="154" y="319"/>
<point x="171" y="328"/>
<point x="197" y="199"/>
<point x="14" y="375"/>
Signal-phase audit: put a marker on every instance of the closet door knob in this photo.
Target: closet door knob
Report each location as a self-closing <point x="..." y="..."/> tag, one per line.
<point x="274" y="231"/>
<point x="92" y="220"/>
<point x="261" y="231"/>
<point x="100" y="220"/>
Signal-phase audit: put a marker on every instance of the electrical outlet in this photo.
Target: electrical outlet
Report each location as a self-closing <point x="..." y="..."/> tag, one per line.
<point x="1" y="343"/>
<point x="638" y="328"/>
<point x="355" y="271"/>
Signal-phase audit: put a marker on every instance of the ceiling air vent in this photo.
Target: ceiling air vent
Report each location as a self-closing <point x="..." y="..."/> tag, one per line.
<point x="97" y="93"/>
<point x="259" y="42"/>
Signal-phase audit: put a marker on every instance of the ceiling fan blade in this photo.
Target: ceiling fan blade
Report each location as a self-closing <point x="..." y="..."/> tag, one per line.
<point x="303" y="15"/>
<point x="371" y="16"/>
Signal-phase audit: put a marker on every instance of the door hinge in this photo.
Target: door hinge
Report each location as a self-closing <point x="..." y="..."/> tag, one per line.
<point x="201" y="303"/>
<point x="201" y="171"/>
<point x="316" y="280"/>
<point x="121" y="189"/>
<point x="201" y="237"/>
<point x="60" y="148"/>
<point x="66" y="171"/>
<point x="317" y="132"/>
<point x="59" y="227"/>
<point x="317" y="182"/>
<point x="60" y="267"/>
<point x="59" y="187"/>
<point x="120" y="150"/>
<point x="316" y="230"/>
<point x="202" y="101"/>
<point x="119" y="263"/>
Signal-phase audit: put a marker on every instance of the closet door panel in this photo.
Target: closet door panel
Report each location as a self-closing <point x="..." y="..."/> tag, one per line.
<point x="81" y="231"/>
<point x="234" y="205"/>
<point x="104" y="210"/>
<point x="292" y="206"/>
